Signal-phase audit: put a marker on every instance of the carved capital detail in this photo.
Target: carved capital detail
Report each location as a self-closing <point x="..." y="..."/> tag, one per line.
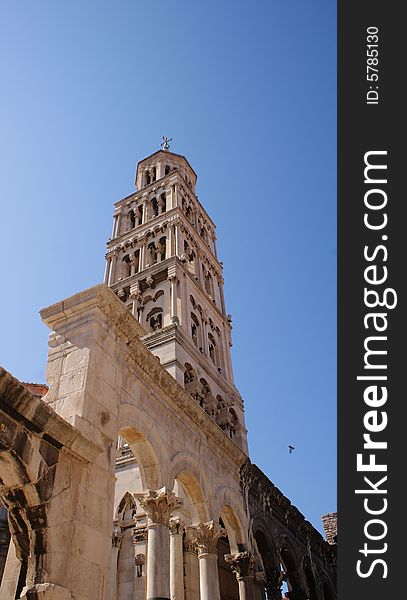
<point x="176" y="526"/>
<point x="242" y="564"/>
<point x="117" y="537"/>
<point x="159" y="504"/>
<point x="206" y="536"/>
<point x="150" y="281"/>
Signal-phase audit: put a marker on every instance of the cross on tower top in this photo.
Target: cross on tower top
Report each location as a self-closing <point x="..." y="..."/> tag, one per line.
<point x="164" y="144"/>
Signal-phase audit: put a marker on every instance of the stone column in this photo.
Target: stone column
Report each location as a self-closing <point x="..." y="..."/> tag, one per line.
<point x="176" y="560"/>
<point x="113" y="261"/>
<point x="107" y="270"/>
<point x="222" y="297"/>
<point x="206" y="537"/>
<point x="169" y="244"/>
<point x="143" y="242"/>
<point x="135" y="295"/>
<point x="214" y="246"/>
<point x="205" y="333"/>
<point x="158" y="505"/>
<point x="242" y="565"/>
<point x="116" y="544"/>
<point x="191" y="565"/>
<point x="172" y="277"/>
<point x="177" y="240"/>
<point x="168" y="199"/>
<point x="114" y="227"/>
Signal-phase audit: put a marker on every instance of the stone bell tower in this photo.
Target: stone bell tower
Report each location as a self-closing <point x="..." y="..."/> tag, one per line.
<point x="162" y="263"/>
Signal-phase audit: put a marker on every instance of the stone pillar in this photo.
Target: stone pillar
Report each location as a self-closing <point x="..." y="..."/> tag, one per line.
<point x="204" y="334"/>
<point x="143" y="242"/>
<point x="172" y="276"/>
<point x="206" y="537"/>
<point x="176" y="560"/>
<point x="169" y="244"/>
<point x="168" y="199"/>
<point x="177" y="251"/>
<point x="158" y="505"/>
<point x="116" y="544"/>
<point x="113" y="261"/>
<point x="191" y="566"/>
<point x="214" y="246"/>
<point x="117" y="227"/>
<point x="113" y="235"/>
<point x="242" y="565"/>
<point x="107" y="270"/>
<point x="135" y="295"/>
<point x="222" y="297"/>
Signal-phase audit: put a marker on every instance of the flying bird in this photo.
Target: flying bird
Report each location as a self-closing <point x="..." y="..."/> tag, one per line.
<point x="290" y="449"/>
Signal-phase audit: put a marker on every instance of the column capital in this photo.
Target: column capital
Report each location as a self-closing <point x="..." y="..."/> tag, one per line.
<point x="159" y="504"/>
<point x="206" y="536"/>
<point x="242" y="564"/>
<point x="176" y="526"/>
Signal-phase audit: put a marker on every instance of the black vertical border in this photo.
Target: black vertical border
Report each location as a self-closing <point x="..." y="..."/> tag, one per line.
<point x="362" y="128"/>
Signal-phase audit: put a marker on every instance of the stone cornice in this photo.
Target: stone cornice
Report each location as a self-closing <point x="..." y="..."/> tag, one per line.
<point x="150" y="271"/>
<point x="35" y="414"/>
<point x="149" y="188"/>
<point x="134" y="234"/>
<point x="127" y="329"/>
<point x="171" y="177"/>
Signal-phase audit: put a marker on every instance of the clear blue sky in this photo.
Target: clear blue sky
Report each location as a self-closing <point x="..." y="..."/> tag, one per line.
<point x="247" y="91"/>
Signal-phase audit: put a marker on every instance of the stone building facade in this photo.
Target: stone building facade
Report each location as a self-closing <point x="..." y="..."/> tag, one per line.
<point x="130" y="479"/>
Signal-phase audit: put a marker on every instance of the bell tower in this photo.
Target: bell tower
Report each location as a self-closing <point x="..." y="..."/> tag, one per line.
<point x="161" y="261"/>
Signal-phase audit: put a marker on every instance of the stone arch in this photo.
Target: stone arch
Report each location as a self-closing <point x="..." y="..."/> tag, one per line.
<point x="126" y="503"/>
<point x="26" y="489"/>
<point x="290" y="565"/>
<point x="146" y="445"/>
<point x="186" y="470"/>
<point x="228" y="509"/>
<point x="309" y="578"/>
<point x="228" y="585"/>
<point x="269" y="567"/>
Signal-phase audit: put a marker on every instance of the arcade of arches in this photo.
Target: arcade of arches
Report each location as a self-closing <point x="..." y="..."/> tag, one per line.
<point x="128" y="477"/>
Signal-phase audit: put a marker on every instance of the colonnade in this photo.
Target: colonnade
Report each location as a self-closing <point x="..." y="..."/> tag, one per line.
<point x="167" y="540"/>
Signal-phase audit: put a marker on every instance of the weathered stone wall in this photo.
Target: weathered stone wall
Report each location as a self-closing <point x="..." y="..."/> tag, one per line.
<point x="44" y="467"/>
<point x="58" y="457"/>
<point x="288" y="548"/>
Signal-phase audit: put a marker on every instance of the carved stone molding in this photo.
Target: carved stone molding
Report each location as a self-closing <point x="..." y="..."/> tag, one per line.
<point x="150" y="281"/>
<point x="159" y="504"/>
<point x="206" y="536"/>
<point x="242" y="564"/>
<point x="117" y="537"/>
<point x="139" y="357"/>
<point x="139" y="535"/>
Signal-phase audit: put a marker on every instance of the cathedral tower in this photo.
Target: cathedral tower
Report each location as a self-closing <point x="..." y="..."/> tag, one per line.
<point x="162" y="263"/>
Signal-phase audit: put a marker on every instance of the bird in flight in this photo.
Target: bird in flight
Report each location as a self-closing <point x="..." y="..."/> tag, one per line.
<point x="290" y="449"/>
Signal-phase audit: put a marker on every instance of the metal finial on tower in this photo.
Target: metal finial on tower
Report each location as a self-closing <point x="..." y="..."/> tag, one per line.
<point x="165" y="145"/>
